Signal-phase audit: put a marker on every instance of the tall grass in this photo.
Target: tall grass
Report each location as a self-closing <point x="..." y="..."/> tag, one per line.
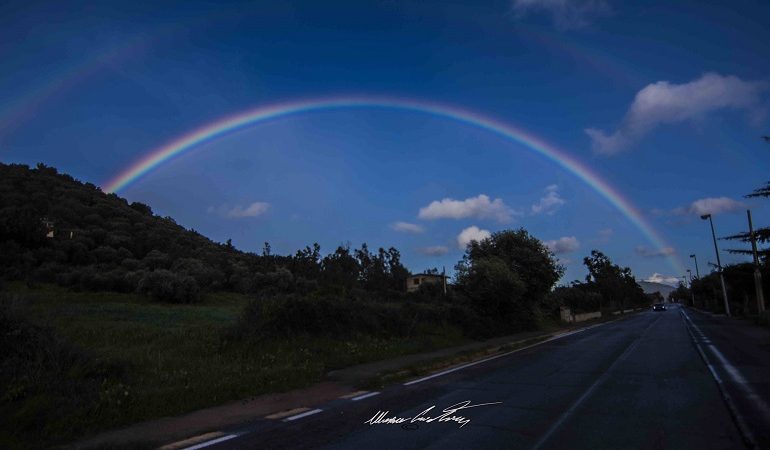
<point x="101" y="360"/>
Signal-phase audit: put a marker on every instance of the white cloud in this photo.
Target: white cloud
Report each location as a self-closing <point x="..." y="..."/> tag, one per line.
<point x="435" y="250"/>
<point x="406" y="227"/>
<point x="472" y="233"/>
<point x="666" y="103"/>
<point x="566" y="14"/>
<point x="236" y="212"/>
<point x="480" y="207"/>
<point x="566" y="244"/>
<point x="713" y="205"/>
<point x="659" y="278"/>
<point x="549" y="203"/>
<point x="652" y="253"/>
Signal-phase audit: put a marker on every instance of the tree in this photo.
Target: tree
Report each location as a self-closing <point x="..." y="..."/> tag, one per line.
<point x="617" y="285"/>
<point x="509" y="272"/>
<point x="339" y="270"/>
<point x="680" y="295"/>
<point x="761" y="234"/>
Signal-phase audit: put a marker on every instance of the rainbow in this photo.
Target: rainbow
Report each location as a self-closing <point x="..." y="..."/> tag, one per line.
<point x="18" y="111"/>
<point x="230" y="124"/>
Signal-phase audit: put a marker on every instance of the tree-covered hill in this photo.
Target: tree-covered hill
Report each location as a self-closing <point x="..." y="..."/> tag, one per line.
<point x="54" y="228"/>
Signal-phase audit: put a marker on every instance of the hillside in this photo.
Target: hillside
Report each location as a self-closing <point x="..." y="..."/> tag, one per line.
<point x="56" y="229"/>
<point x="650" y="287"/>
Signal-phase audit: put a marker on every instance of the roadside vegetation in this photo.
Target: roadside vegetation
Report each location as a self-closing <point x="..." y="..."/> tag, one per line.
<point x="110" y="314"/>
<point x="706" y="292"/>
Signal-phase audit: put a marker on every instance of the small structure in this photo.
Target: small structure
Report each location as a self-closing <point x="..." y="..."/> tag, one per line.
<point x="569" y="317"/>
<point x="49" y="227"/>
<point x="414" y="282"/>
<point x="52" y="232"/>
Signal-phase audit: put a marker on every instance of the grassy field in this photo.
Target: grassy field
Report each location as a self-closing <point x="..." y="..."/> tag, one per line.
<point x="126" y="359"/>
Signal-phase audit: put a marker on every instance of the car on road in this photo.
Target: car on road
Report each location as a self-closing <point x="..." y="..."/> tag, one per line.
<point x="659" y="307"/>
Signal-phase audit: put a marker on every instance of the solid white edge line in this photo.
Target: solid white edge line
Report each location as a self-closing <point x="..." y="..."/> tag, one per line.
<point x="301" y="415"/>
<point x="363" y="396"/>
<point x="470" y="364"/>
<point x="738" y="378"/>
<point x="738" y="419"/>
<point x="212" y="442"/>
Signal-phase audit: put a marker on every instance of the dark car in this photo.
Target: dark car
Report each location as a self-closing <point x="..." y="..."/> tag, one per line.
<point x="659" y="307"/>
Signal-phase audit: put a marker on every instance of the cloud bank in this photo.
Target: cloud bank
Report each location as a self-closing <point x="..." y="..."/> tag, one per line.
<point x="660" y="278"/>
<point x="566" y="244"/>
<point x="667" y="103"/>
<point x="406" y="227"/>
<point x="549" y="203"/>
<point x="472" y="233"/>
<point x="238" y="212"/>
<point x="652" y="253"/>
<point x="710" y="205"/>
<point x="435" y="250"/>
<point x="480" y="207"/>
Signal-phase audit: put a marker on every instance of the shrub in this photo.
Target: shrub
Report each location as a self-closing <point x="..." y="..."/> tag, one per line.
<point x="48" y="387"/>
<point x="131" y="263"/>
<point x="105" y="254"/>
<point x="578" y="298"/>
<point x="290" y="315"/>
<point x="166" y="286"/>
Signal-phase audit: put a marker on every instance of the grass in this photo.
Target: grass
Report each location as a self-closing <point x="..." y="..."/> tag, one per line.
<point x="171" y="359"/>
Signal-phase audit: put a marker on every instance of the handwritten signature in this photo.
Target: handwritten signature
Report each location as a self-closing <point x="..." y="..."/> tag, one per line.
<point x="449" y="415"/>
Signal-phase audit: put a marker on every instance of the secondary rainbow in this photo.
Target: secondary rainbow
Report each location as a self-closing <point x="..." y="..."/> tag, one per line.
<point x="230" y="124"/>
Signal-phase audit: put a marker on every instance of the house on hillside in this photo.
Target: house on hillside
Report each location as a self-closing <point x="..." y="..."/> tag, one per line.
<point x="48" y="225"/>
<point x="52" y="232"/>
<point x="413" y="282"/>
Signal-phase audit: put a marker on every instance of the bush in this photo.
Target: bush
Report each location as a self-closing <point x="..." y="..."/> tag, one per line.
<point x="166" y="286"/>
<point x="578" y="298"/>
<point x="131" y="263"/>
<point x="288" y="315"/>
<point x="48" y="387"/>
<point x="204" y="274"/>
<point x="493" y="289"/>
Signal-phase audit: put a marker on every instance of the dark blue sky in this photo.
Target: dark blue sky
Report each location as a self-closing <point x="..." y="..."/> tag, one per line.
<point x="674" y="98"/>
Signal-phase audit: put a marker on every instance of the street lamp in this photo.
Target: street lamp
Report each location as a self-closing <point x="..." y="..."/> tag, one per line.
<point x="692" y="292"/>
<point x="697" y="272"/>
<point x="719" y="263"/>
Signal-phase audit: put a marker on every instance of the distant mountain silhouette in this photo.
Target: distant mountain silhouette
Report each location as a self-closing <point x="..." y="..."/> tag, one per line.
<point x="650" y="287"/>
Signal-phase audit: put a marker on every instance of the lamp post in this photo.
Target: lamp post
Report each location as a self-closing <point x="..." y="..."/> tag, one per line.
<point x="719" y="263"/>
<point x="697" y="272"/>
<point x="692" y="292"/>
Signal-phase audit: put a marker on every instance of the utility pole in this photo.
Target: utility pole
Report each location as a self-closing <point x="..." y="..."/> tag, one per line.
<point x="697" y="272"/>
<point x="443" y="278"/>
<point x="757" y="273"/>
<point x="719" y="263"/>
<point x="692" y="293"/>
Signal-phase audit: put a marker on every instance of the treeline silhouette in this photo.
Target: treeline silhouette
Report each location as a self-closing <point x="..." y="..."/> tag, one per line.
<point x="55" y="229"/>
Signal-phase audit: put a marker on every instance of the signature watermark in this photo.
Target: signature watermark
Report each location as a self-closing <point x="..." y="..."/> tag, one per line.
<point x="429" y="415"/>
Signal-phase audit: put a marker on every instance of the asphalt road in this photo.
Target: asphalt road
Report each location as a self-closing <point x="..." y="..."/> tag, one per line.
<point x="640" y="382"/>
